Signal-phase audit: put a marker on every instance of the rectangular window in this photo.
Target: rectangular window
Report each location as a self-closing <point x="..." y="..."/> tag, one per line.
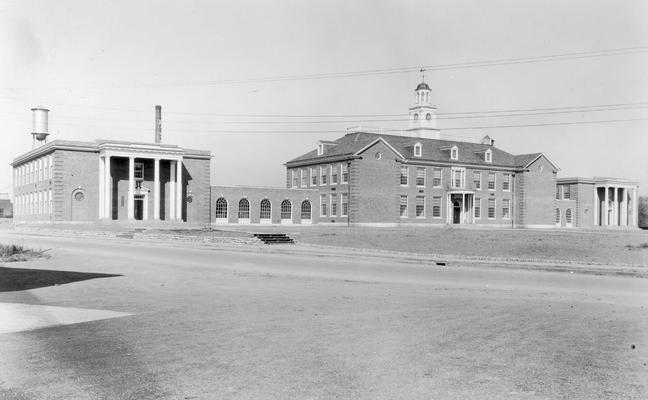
<point x="566" y="192"/>
<point x="491" y="208"/>
<point x="491" y="181"/>
<point x="458" y="178"/>
<point x="334" y="175"/>
<point x="558" y="192"/>
<point x="304" y="178"/>
<point x="334" y="205"/>
<point x="313" y="177"/>
<point x="506" y="182"/>
<point x="345" y="204"/>
<point x="477" y="180"/>
<point x="420" y="176"/>
<point x="323" y="206"/>
<point x="436" y="180"/>
<point x="477" y="208"/>
<point x="403" y="206"/>
<point x="404" y="172"/>
<point x="436" y="207"/>
<point x="139" y="170"/>
<point x="51" y="166"/>
<point x="324" y="175"/>
<point x="345" y="172"/>
<point x="420" y="206"/>
<point x="506" y="208"/>
<point x="295" y="178"/>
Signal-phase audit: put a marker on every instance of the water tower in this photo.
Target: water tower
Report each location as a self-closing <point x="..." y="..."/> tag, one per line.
<point x="39" y="127"/>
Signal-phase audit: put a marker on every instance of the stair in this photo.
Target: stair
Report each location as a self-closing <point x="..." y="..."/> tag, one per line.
<point x="274" y="238"/>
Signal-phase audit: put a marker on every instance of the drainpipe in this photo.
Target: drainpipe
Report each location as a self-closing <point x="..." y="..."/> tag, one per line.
<point x="513" y="200"/>
<point x="348" y="193"/>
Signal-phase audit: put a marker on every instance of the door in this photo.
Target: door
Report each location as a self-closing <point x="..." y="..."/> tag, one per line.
<point x="139" y="209"/>
<point x="456" y="213"/>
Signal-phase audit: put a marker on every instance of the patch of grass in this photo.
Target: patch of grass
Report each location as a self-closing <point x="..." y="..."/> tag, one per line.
<point x="16" y="252"/>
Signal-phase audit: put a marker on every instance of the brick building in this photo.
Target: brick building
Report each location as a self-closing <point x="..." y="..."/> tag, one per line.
<point x="596" y="202"/>
<point x="111" y="180"/>
<point x="366" y="177"/>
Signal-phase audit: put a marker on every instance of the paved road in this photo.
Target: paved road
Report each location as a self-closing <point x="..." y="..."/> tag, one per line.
<point x="213" y="323"/>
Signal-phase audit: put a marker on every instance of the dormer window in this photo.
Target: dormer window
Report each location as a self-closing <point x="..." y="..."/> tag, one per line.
<point x="488" y="156"/>
<point x="415" y="116"/>
<point x="454" y="153"/>
<point x="320" y="149"/>
<point x="418" y="150"/>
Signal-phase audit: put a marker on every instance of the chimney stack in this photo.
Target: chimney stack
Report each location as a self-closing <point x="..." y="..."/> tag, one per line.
<point x="39" y="125"/>
<point x="158" y="124"/>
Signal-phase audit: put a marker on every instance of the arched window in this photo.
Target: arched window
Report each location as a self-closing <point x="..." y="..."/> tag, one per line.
<point x="568" y="216"/>
<point x="266" y="209"/>
<point x="286" y="209"/>
<point x="557" y="215"/>
<point x="244" y="209"/>
<point x="221" y="208"/>
<point x="305" y="209"/>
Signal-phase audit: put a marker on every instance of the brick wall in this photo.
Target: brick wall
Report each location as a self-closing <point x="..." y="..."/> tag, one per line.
<point x="536" y="193"/>
<point x="254" y="195"/>
<point x="76" y="172"/>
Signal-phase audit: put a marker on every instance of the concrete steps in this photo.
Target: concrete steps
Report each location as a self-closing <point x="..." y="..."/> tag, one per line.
<point x="274" y="238"/>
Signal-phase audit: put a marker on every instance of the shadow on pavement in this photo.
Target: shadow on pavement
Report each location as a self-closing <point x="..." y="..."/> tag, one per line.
<point x="16" y="279"/>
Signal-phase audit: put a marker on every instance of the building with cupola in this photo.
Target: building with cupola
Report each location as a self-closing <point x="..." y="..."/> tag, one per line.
<point x="368" y="176"/>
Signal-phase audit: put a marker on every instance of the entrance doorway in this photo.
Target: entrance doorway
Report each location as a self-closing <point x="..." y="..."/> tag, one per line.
<point x="456" y="212"/>
<point x="138" y="207"/>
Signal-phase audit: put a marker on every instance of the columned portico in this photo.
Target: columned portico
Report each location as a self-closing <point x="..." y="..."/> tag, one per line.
<point x="460" y="207"/>
<point x="125" y="169"/>
<point x="615" y="203"/>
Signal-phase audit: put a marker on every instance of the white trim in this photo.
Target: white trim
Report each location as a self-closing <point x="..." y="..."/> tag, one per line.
<point x="362" y="150"/>
<point x="547" y="158"/>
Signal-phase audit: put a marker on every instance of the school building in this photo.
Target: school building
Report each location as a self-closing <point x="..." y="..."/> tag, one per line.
<point x="417" y="176"/>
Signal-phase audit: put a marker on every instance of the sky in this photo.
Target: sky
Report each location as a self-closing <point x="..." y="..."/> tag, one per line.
<point x="260" y="82"/>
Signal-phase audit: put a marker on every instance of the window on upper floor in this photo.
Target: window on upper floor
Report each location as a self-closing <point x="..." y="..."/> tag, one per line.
<point x="418" y="150"/>
<point x="139" y="170"/>
<point x="437" y="178"/>
<point x="320" y="149"/>
<point x="454" y="153"/>
<point x="458" y="178"/>
<point x="304" y="177"/>
<point x="334" y="174"/>
<point x="506" y="182"/>
<point x="404" y="172"/>
<point x="420" y="176"/>
<point x="491" y="181"/>
<point x="345" y="172"/>
<point x="477" y="180"/>
<point x="566" y="192"/>
<point x="488" y="156"/>
<point x="313" y="172"/>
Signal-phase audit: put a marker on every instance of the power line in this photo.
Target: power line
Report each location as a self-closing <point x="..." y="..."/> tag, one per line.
<point x="451" y="115"/>
<point x="369" y="72"/>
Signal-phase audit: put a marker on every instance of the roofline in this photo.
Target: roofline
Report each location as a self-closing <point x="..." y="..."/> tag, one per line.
<point x="52" y="146"/>
<point x="511" y="168"/>
<point x="379" y="139"/>
<point x="312" y="161"/>
<point x="541" y="155"/>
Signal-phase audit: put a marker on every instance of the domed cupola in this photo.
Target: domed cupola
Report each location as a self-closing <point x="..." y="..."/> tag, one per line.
<point x="422" y="117"/>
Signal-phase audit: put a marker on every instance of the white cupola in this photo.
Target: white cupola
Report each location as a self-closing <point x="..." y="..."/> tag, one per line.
<point x="422" y="117"/>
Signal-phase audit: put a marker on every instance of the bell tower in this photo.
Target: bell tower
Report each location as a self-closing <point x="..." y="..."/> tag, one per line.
<point x="422" y="117"/>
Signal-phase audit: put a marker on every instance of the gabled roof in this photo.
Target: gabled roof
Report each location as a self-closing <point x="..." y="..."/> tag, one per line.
<point x="469" y="153"/>
<point x="524" y="160"/>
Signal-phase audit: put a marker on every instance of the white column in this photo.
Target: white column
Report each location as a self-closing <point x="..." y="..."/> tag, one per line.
<point x="596" y="206"/>
<point x="145" y="207"/>
<point x="606" y="207"/>
<point x="156" y="190"/>
<point x="107" y="189"/>
<point x="463" y="208"/>
<point x="624" y="208"/>
<point x="102" y="188"/>
<point x="131" y="187"/>
<point x="617" y="220"/>
<point x="635" y="208"/>
<point x="179" y="190"/>
<point x="172" y="186"/>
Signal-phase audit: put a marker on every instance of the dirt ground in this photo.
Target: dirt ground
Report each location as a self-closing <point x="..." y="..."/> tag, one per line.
<point x="608" y="247"/>
<point x="209" y="323"/>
